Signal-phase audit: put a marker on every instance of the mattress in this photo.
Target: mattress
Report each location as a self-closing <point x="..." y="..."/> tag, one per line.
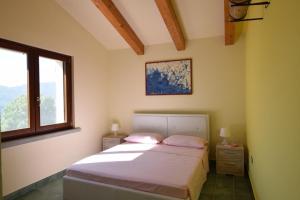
<point x="161" y="169"/>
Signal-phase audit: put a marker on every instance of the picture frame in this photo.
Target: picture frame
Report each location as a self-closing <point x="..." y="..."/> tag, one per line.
<point x="169" y="77"/>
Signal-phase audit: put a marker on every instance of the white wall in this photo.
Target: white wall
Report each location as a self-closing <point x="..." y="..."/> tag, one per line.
<point x="45" y="24"/>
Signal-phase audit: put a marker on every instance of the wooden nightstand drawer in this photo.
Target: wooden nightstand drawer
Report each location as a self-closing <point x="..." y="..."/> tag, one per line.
<point x="110" y="140"/>
<point x="110" y="143"/>
<point x="226" y="154"/>
<point x="108" y="146"/>
<point x="230" y="167"/>
<point x="230" y="160"/>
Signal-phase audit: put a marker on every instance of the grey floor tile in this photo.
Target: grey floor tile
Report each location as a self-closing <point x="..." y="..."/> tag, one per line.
<point x="34" y="195"/>
<point x="208" y="189"/>
<point x="211" y="180"/>
<point x="224" y="185"/>
<point x="242" y="186"/>
<point x="243" y="197"/>
<point x="242" y="190"/>
<point x="205" y="197"/>
<point x="51" y="191"/>
<point x="242" y="181"/>
<point x="223" y="197"/>
<point x="54" y="187"/>
<point x="223" y="191"/>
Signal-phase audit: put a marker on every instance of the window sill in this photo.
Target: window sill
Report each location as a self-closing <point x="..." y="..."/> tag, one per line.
<point x="21" y="141"/>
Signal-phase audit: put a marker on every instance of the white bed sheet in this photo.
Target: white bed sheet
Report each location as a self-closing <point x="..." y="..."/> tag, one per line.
<point x="167" y="170"/>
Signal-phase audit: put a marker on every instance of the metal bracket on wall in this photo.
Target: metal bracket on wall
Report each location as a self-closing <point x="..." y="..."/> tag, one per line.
<point x="265" y="3"/>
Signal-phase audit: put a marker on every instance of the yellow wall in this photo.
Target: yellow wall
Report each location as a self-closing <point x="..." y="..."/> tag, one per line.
<point x="218" y="84"/>
<point x="273" y="102"/>
<point x="46" y="25"/>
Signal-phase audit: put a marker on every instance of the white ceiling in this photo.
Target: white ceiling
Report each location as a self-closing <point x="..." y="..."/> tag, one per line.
<point x="198" y="18"/>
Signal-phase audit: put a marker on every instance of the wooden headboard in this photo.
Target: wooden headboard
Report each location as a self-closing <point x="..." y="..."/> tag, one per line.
<point x="170" y="124"/>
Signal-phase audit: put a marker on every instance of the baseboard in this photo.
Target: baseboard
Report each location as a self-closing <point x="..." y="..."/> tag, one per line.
<point x="33" y="186"/>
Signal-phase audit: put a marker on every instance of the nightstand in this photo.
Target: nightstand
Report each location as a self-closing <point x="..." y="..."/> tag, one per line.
<point x="230" y="160"/>
<point x="111" y="140"/>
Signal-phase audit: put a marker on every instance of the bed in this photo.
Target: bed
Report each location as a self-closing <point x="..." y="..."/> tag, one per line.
<point x="144" y="171"/>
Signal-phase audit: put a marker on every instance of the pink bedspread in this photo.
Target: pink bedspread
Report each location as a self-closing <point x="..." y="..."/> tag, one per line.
<point x="168" y="170"/>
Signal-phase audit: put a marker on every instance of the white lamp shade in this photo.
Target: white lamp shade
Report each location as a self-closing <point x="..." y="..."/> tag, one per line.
<point x="224" y="132"/>
<point x="115" y="127"/>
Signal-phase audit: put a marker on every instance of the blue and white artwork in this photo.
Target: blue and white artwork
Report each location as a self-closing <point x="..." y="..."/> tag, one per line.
<point x="169" y="77"/>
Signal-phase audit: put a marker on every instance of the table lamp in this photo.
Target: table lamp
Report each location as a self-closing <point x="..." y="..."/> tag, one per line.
<point x="224" y="133"/>
<point x="115" y="128"/>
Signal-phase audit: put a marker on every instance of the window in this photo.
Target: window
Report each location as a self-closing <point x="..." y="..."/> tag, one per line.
<point x="35" y="91"/>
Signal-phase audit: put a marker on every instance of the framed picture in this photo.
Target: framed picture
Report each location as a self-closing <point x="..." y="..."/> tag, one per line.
<point x="170" y="77"/>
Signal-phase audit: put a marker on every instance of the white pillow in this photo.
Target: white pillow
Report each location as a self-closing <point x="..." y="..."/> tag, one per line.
<point x="186" y="141"/>
<point x="146" y="138"/>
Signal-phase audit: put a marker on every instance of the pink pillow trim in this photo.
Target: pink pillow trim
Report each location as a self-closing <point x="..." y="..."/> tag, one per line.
<point x="186" y="141"/>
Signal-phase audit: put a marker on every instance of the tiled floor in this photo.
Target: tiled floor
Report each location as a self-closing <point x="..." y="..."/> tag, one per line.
<point x="217" y="187"/>
<point x="51" y="191"/>
<point x="226" y="187"/>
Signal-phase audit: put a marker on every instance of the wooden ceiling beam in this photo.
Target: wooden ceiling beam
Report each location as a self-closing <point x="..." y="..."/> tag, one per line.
<point x="111" y="12"/>
<point x="168" y="14"/>
<point x="229" y="26"/>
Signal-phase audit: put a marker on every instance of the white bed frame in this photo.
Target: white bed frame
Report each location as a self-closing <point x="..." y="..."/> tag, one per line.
<point x="172" y="124"/>
<point x="167" y="124"/>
